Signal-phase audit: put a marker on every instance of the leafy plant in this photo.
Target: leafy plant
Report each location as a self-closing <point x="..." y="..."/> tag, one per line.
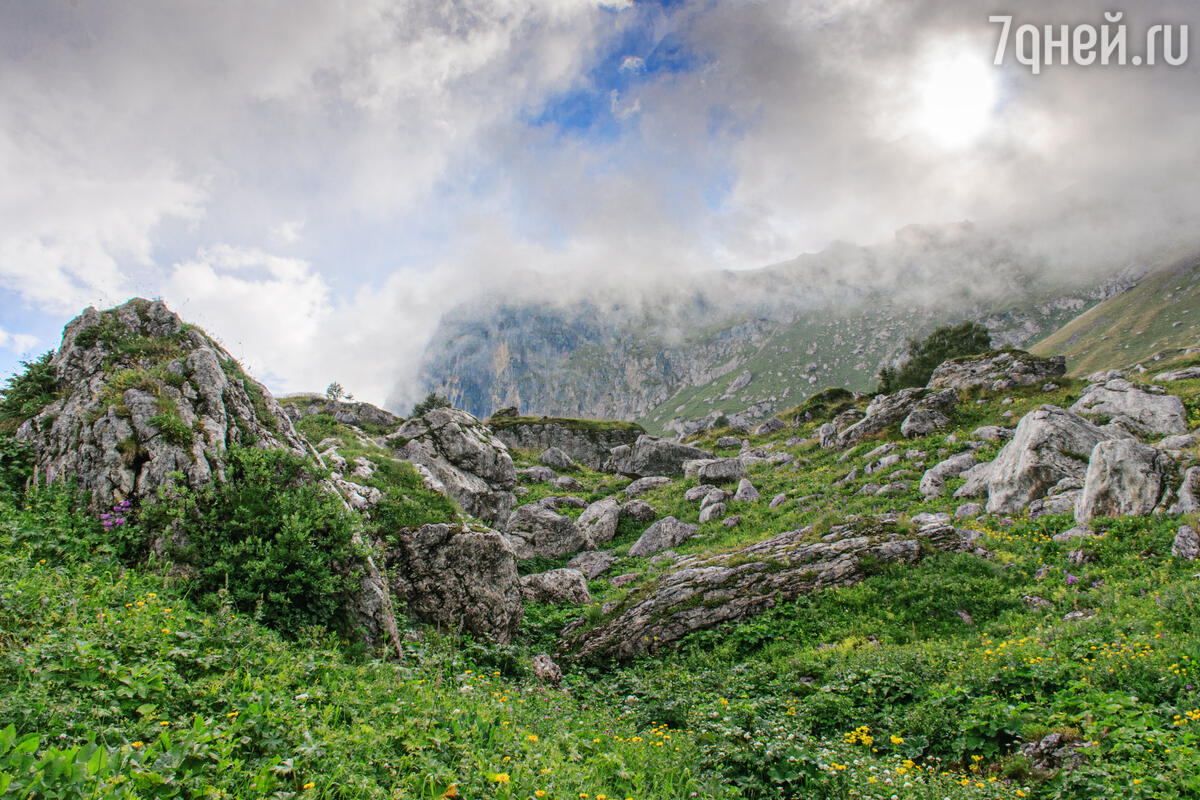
<point x="430" y="402"/>
<point x="924" y="356"/>
<point x="28" y="392"/>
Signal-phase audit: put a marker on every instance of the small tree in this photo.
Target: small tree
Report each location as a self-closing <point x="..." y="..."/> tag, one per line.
<point x="430" y="402"/>
<point x="334" y="391"/>
<point x="923" y="357"/>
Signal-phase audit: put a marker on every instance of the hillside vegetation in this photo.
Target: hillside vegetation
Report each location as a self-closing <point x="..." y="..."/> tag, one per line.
<point x="1038" y="661"/>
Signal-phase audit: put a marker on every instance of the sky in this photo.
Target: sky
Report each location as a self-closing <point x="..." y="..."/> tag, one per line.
<point x="315" y="183"/>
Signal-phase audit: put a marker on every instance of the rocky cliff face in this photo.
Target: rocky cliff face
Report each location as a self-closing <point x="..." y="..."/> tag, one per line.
<point x="727" y="342"/>
<point x="144" y="396"/>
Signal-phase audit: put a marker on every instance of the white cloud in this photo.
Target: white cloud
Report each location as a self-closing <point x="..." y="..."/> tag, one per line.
<point x="18" y="343"/>
<point x="633" y="64"/>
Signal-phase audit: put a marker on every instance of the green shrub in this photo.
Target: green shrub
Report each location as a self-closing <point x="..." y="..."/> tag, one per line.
<point x="923" y="357"/>
<point x="430" y="402"/>
<point x="27" y="393"/>
<point x="269" y="535"/>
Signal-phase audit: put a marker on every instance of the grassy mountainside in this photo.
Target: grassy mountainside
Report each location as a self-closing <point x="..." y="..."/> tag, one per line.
<point x="1161" y="313"/>
<point x="922" y="681"/>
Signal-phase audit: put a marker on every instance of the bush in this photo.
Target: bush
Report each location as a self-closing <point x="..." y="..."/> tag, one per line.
<point x="269" y="537"/>
<point x="430" y="402"/>
<point x="27" y="393"/>
<point x="923" y="357"/>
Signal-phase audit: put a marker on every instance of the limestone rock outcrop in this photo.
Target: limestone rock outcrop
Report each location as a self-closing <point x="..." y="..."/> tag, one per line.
<point x="650" y="455"/>
<point x="143" y="396"/>
<point x="1142" y="410"/>
<point x="997" y="371"/>
<point x="1124" y="478"/>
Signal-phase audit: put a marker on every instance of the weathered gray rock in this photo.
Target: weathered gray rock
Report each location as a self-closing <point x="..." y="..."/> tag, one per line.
<point x="667" y="532"/>
<point x="992" y="433"/>
<point x="746" y="491"/>
<point x="769" y="426"/>
<point x="1186" y="545"/>
<point x="556" y="458"/>
<point x="556" y="586"/>
<point x="1180" y="441"/>
<point x="583" y="441"/>
<point x="458" y="579"/>
<point x="534" y="530"/>
<point x="1048" y="445"/>
<point x="698" y="492"/>
<point x="721" y="470"/>
<point x="557" y="501"/>
<point x="347" y="412"/>
<point x="592" y="563"/>
<point x="968" y="511"/>
<point x="1189" y="493"/>
<point x="922" y="422"/>
<point x="933" y="482"/>
<point x="567" y="483"/>
<point x="473" y="465"/>
<point x="538" y="474"/>
<point x="704" y="594"/>
<point x="712" y="511"/>
<point x="1144" y="411"/>
<point x="827" y="435"/>
<point x="1008" y="368"/>
<point x="545" y="670"/>
<point x="888" y="409"/>
<point x="142" y="397"/>
<point x="643" y="485"/>
<point x="598" y="522"/>
<point x="729" y="441"/>
<point x="1185" y="374"/>
<point x="778" y="500"/>
<point x="1124" y="477"/>
<point x="714" y="496"/>
<point x="639" y="511"/>
<point x="1053" y="753"/>
<point x="1078" y="532"/>
<point x="650" y="455"/>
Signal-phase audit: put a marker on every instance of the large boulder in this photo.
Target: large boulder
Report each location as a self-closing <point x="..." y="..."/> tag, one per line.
<point x="347" y="412"/>
<point x="457" y="579"/>
<point x="586" y="441"/>
<point x="889" y="409"/>
<point x="720" y="470"/>
<point x="1143" y="410"/>
<point x="556" y="586"/>
<point x="598" y="522"/>
<point x="735" y="586"/>
<point x="934" y="479"/>
<point x="667" y="532"/>
<point x="1124" y="478"/>
<point x="651" y="455"/>
<point x="473" y="465"/>
<point x="1050" y="444"/>
<point x="534" y="530"/>
<point x="997" y="370"/>
<point x="1189" y="493"/>
<point x="143" y="397"/>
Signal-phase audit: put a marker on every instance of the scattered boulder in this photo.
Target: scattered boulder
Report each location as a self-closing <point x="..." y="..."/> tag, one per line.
<point x="1185" y="374"/>
<point x="534" y="530"/>
<point x="592" y="563"/>
<point x="827" y="436"/>
<point x="1054" y="752"/>
<point x="556" y="586"/>
<point x="457" y="579"/>
<point x="538" y="474"/>
<point x="968" y="511"/>
<point x="1186" y="545"/>
<point x="1143" y="411"/>
<point x="732" y="522"/>
<point x="934" y="479"/>
<point x="667" y="532"/>
<point x="699" y="492"/>
<point x="598" y="522"/>
<point x="922" y="422"/>
<point x="545" y="670"/>
<point x="778" y="500"/>
<point x="729" y="441"/>
<point x="720" y="470"/>
<point x="651" y="455"/>
<point x="1078" y="532"/>
<point x="555" y="458"/>
<point x="567" y="483"/>
<point x="1124" y="477"/>
<point x="639" y="511"/>
<point x="1002" y="369"/>
<point x="992" y="433"/>
<point x="734" y="586"/>
<point x="1048" y="445"/>
<point x="347" y="412"/>
<point x="746" y="491"/>
<point x="643" y="485"/>
<point x="711" y="512"/>
<point x="769" y="426"/>
<point x="888" y="409"/>
<point x="473" y="465"/>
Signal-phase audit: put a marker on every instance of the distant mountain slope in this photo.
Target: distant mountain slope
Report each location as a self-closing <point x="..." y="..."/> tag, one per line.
<point x="760" y="339"/>
<point x="1161" y="312"/>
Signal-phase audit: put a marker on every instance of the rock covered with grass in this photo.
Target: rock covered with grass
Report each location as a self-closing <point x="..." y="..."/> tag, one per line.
<point x="141" y="396"/>
<point x="997" y="371"/>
